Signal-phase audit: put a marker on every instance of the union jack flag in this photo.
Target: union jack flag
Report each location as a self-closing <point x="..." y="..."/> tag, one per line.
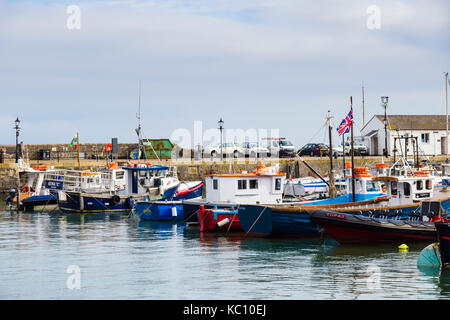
<point x="344" y="127"/>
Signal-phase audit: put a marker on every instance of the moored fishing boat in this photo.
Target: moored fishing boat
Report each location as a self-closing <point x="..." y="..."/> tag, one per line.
<point x="169" y="208"/>
<point x="294" y="220"/>
<point x="354" y="228"/>
<point x="116" y="189"/>
<point x="263" y="185"/>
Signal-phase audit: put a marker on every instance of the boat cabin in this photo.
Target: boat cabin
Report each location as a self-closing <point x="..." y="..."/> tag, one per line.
<point x="142" y="177"/>
<point x="407" y="189"/>
<point x="264" y="185"/>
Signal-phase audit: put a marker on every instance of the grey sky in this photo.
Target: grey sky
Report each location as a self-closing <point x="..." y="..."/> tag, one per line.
<point x="258" y="64"/>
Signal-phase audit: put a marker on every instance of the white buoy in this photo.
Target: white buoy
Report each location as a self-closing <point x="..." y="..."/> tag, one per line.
<point x="223" y="222"/>
<point x="174" y="212"/>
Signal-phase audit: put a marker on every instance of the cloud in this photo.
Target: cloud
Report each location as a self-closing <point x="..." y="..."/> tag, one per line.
<point x="259" y="64"/>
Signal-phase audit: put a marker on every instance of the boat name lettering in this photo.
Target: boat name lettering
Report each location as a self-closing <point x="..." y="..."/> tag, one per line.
<point x="335" y="215"/>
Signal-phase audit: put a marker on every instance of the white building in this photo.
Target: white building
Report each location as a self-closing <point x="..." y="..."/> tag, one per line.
<point x="430" y="131"/>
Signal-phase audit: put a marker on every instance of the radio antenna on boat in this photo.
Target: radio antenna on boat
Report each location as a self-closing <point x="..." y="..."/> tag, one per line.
<point x="331" y="187"/>
<point x="139" y="129"/>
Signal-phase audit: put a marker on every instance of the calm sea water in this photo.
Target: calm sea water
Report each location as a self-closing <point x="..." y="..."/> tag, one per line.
<point x="119" y="257"/>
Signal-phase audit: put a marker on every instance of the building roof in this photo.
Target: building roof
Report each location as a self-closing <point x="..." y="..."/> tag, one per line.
<point x="415" y="122"/>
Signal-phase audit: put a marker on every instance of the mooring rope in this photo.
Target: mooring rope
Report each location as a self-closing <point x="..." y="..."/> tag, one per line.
<point x="255" y="222"/>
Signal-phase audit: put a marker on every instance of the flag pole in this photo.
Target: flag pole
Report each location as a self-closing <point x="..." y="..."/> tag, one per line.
<point x="353" y="155"/>
<point x="78" y="151"/>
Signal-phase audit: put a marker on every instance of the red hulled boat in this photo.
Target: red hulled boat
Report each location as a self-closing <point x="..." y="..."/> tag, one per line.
<point x="353" y="228"/>
<point x="218" y="219"/>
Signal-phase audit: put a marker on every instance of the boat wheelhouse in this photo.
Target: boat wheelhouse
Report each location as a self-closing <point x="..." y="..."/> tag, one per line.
<point x="116" y="189"/>
<point x="263" y="185"/>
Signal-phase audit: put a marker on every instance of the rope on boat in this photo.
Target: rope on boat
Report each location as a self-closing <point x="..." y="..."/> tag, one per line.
<point x="255" y="222"/>
<point x="232" y="220"/>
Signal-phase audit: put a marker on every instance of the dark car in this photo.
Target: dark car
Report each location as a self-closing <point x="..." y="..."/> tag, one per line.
<point x="314" y="149"/>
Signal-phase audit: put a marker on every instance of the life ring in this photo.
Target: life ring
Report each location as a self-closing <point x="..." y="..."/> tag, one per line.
<point x="24" y="188"/>
<point x="115" y="199"/>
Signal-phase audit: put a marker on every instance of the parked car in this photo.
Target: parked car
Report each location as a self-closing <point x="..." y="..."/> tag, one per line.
<point x="359" y="149"/>
<point x="337" y="151"/>
<point x="228" y="149"/>
<point x="280" y="147"/>
<point x="254" y="149"/>
<point x="314" y="149"/>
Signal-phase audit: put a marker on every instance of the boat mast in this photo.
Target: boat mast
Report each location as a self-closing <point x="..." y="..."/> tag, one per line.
<point x="353" y="155"/>
<point x="364" y="118"/>
<point x="332" y="187"/>
<point x="78" y="152"/>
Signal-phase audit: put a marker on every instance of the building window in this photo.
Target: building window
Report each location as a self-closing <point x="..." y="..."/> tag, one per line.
<point x="425" y="137"/>
<point x="277" y="184"/>
<point x="253" y="184"/>
<point x="242" y="184"/>
<point x="215" y="184"/>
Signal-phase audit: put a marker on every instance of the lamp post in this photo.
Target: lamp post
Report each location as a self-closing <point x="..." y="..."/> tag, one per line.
<point x="17" y="123"/>
<point x="221" y="144"/>
<point x="384" y="102"/>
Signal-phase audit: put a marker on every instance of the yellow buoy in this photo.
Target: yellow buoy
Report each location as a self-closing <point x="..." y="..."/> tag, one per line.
<point x="403" y="248"/>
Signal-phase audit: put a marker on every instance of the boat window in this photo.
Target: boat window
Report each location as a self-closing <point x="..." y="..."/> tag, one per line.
<point x="242" y="184"/>
<point x="253" y="184"/>
<point x="406" y="188"/>
<point x="277" y="184"/>
<point x="394" y="188"/>
<point x="419" y="185"/>
<point x="120" y="175"/>
<point x="371" y="186"/>
<point x="428" y="184"/>
<point x="215" y="184"/>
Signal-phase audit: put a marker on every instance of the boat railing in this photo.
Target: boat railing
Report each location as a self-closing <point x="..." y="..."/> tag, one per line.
<point x="87" y="181"/>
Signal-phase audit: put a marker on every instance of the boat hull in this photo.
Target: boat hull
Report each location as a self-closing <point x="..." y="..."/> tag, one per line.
<point x="351" y="228"/>
<point x="189" y="193"/>
<point x="263" y="221"/>
<point x="159" y="210"/>
<point x="219" y="220"/>
<point x="443" y="230"/>
<point x="191" y="208"/>
<point x="34" y="202"/>
<point x="82" y="202"/>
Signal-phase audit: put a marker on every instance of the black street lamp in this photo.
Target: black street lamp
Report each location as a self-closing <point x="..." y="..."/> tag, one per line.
<point x="17" y="123"/>
<point x="384" y="102"/>
<point x="221" y="144"/>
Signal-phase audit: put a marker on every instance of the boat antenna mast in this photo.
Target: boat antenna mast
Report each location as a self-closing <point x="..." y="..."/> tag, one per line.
<point x="139" y="128"/>
<point x="332" y="187"/>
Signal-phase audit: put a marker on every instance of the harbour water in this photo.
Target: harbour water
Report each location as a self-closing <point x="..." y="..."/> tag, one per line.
<point x="114" y="256"/>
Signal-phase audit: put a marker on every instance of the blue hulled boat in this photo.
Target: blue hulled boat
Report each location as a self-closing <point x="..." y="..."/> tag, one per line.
<point x="172" y="207"/>
<point x="116" y="189"/>
<point x="402" y="201"/>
